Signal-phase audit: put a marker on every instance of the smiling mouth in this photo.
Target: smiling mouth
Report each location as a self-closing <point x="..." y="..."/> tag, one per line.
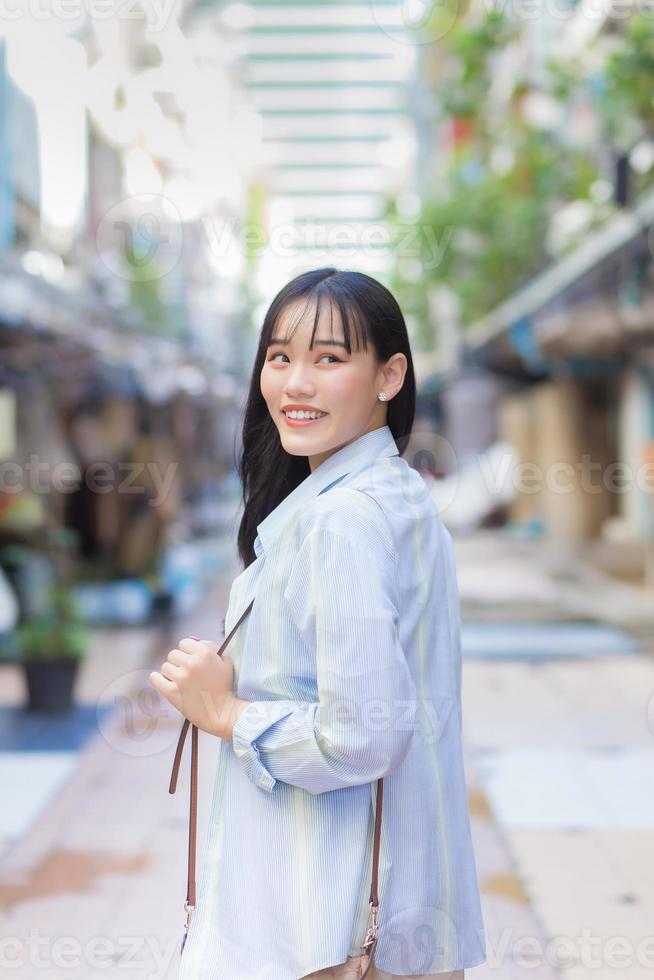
<point x="303" y="421"/>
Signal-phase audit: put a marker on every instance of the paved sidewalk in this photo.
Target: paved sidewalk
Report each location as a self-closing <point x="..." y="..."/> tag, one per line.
<point x="105" y="862"/>
<point x="561" y="732"/>
<point x="503" y="578"/>
<point x="38" y="752"/>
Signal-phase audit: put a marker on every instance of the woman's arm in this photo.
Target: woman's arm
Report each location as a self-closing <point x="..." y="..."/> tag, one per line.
<point x="342" y="595"/>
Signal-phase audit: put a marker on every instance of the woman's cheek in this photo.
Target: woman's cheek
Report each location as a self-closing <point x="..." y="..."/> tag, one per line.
<point x="268" y="388"/>
<point x="344" y="389"/>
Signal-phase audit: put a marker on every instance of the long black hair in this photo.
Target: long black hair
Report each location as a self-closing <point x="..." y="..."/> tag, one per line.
<point x="368" y="310"/>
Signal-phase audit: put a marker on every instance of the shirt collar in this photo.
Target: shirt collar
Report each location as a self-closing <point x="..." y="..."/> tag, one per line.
<point x="349" y="459"/>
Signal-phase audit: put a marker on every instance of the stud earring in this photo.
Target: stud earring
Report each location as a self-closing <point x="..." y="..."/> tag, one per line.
<point x="383" y="397"/>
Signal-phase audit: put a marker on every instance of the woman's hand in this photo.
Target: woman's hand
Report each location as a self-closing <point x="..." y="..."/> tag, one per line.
<point x="198" y="682"/>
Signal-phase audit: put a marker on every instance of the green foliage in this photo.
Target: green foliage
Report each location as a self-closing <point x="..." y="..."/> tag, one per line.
<point x="471" y="48"/>
<point x="564" y="77"/>
<point x="440" y="19"/>
<point x="58" y="633"/>
<point x="622" y="92"/>
<point x="493" y="226"/>
<point x="145" y="276"/>
<point x="494" y="203"/>
<point x="629" y="77"/>
<point x="255" y="224"/>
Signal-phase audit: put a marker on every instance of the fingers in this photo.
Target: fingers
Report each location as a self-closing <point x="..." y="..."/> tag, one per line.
<point x="171" y="670"/>
<point x="178" y="658"/>
<point x="162" y="684"/>
<point x="188" y="645"/>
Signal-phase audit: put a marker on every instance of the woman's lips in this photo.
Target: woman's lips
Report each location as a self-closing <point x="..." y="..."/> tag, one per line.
<point x="298" y="422"/>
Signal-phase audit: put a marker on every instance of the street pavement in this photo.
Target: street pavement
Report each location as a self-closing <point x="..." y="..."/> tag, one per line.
<point x="562" y="739"/>
<point x="558" y="755"/>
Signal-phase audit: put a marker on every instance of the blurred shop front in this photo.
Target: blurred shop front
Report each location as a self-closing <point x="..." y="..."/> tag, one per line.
<point x="117" y="459"/>
<point x="576" y="347"/>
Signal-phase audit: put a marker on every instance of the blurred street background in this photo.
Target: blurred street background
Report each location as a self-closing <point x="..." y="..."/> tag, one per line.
<point x="165" y="167"/>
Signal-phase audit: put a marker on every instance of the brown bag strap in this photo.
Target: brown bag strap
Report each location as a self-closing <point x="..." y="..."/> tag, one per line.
<point x="189" y="904"/>
<point x="193" y="808"/>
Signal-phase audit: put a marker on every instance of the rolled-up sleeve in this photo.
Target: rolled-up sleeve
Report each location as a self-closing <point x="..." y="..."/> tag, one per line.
<point x="342" y="595"/>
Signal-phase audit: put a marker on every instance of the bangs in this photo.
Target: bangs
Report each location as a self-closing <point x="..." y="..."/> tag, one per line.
<point x="353" y="321"/>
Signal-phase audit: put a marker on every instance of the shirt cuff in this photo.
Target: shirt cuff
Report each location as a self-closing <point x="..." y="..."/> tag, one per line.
<point x="249" y="725"/>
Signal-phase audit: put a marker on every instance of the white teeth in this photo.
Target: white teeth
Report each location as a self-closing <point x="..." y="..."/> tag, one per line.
<point x="304" y="415"/>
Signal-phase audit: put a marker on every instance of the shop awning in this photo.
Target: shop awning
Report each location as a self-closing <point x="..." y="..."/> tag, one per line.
<point x="595" y="303"/>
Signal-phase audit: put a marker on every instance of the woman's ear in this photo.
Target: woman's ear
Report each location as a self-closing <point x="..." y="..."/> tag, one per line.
<point x="393" y="373"/>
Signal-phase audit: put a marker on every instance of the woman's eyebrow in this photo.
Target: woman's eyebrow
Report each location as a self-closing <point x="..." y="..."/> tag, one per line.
<point x="322" y="343"/>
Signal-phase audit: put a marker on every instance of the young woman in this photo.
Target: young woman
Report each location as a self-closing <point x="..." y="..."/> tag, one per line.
<point x="346" y="670"/>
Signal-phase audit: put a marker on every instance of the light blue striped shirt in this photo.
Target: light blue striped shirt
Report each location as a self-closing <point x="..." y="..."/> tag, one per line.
<point x="351" y="657"/>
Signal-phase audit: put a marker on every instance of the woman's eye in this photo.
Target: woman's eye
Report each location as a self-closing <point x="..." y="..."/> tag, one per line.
<point x="281" y="354"/>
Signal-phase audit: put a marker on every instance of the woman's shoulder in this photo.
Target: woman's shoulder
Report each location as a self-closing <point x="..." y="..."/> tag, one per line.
<point x="381" y="502"/>
<point x="350" y="510"/>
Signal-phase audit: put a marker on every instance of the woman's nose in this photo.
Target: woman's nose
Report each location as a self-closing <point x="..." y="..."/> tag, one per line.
<point x="299" y="380"/>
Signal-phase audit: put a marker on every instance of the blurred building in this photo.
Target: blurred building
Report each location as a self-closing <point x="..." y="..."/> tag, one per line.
<point x="542" y="171"/>
<point x="335" y="87"/>
<point x="121" y="305"/>
<point x="579" y="339"/>
<point x="20" y="190"/>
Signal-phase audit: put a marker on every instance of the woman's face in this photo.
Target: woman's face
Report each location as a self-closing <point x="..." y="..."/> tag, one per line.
<point x="342" y="386"/>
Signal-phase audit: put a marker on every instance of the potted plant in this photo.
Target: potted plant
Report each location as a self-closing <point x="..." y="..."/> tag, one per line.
<point x="50" y="646"/>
